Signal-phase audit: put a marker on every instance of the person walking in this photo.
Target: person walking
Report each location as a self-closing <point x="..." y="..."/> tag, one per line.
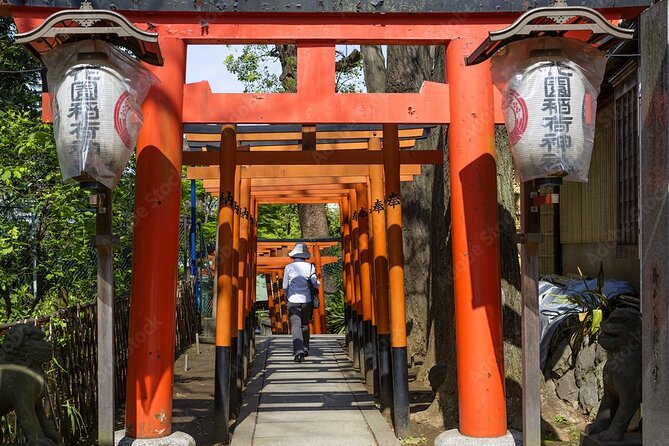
<point x="296" y="278"/>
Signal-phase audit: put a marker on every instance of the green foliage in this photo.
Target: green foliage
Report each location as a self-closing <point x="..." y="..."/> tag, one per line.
<point x="251" y="68"/>
<point x="40" y="217"/>
<point x="334" y="225"/>
<point x="278" y="221"/>
<point x="334" y="312"/>
<point x="20" y="75"/>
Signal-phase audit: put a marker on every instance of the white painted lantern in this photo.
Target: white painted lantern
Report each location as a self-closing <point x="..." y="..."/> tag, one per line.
<point x="550" y="103"/>
<point x="96" y="95"/>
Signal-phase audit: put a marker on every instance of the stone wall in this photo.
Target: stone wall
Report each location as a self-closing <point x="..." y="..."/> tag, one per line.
<point x="577" y="377"/>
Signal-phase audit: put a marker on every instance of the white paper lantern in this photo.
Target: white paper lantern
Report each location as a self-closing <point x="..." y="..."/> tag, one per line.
<point x="96" y="129"/>
<point x="545" y="116"/>
<point x="550" y="103"/>
<point x="96" y="94"/>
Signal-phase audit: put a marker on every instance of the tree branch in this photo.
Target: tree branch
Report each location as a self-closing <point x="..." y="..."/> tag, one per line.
<point x="349" y="62"/>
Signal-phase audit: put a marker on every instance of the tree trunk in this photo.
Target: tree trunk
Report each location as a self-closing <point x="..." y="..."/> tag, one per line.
<point x="374" y="68"/>
<point x="313" y="220"/>
<point x="507" y="187"/>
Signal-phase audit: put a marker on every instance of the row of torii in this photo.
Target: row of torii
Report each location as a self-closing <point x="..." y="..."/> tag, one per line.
<point x="370" y="210"/>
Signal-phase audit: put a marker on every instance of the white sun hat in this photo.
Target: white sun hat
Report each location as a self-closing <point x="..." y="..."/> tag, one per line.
<point x="300" y="251"/>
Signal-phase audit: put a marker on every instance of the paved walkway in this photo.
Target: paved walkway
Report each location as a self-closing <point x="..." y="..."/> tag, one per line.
<point x="320" y="402"/>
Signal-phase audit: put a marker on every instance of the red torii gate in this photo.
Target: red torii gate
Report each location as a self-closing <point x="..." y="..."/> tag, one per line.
<point x="467" y="102"/>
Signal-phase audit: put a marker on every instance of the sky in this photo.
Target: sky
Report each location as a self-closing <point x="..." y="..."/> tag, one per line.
<point x="206" y="62"/>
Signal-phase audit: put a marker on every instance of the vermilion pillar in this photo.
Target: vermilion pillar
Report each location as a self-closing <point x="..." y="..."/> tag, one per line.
<point x="348" y="287"/>
<point x="156" y="250"/>
<point x="380" y="262"/>
<point x="316" y="324"/>
<point x="277" y="302"/>
<point x="242" y="216"/>
<point x="365" y="283"/>
<point x="321" y="289"/>
<point x="270" y="302"/>
<point x="478" y="303"/>
<point x="398" y="333"/>
<point x="359" y="345"/>
<point x="224" y="295"/>
<point x="235" y="390"/>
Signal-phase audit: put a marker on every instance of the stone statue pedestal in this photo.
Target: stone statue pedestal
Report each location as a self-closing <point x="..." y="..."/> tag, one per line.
<point x="176" y="439"/>
<point x="630" y="439"/>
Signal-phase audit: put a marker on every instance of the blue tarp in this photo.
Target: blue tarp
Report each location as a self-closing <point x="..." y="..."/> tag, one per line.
<point x="555" y="308"/>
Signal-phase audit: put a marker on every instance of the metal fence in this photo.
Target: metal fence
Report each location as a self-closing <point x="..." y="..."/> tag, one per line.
<point x="71" y="400"/>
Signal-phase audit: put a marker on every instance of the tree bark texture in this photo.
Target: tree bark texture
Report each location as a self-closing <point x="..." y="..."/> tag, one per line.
<point x="313" y="220"/>
<point x="507" y="192"/>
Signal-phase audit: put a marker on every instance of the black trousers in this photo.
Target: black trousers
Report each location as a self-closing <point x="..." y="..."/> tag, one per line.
<point x="300" y="315"/>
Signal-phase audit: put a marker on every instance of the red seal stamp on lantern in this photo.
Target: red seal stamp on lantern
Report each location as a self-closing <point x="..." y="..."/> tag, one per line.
<point x="516" y="116"/>
<point x="121" y="115"/>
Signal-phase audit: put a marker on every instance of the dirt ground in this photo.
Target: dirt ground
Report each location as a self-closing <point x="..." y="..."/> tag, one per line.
<point x="561" y="424"/>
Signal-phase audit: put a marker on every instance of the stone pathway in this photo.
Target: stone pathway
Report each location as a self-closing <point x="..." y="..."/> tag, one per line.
<point x="320" y="402"/>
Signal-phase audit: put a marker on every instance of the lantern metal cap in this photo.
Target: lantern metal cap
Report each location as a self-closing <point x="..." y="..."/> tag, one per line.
<point x="553" y="21"/>
<point x="80" y="24"/>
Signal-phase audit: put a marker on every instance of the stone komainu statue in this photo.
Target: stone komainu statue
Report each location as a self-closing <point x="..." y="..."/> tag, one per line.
<point x="621" y="338"/>
<point x="22" y="382"/>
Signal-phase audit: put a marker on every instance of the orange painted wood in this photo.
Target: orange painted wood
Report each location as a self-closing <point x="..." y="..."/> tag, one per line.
<point x="244" y="258"/>
<point x="285" y="322"/>
<point x="224" y="300"/>
<point x="322" y="181"/>
<point x="297" y="200"/>
<point x="370" y="230"/>
<point x="282" y="171"/>
<point x="235" y="256"/>
<point x="318" y="261"/>
<point x="478" y="301"/>
<point x="425" y="107"/>
<point x="156" y="226"/>
<point x="379" y="242"/>
<point x="404" y="144"/>
<point x="322" y="157"/>
<point x="270" y="301"/>
<point x="363" y="246"/>
<point x="392" y="28"/>
<point x="316" y="191"/>
<point x="344" y="210"/>
<point x="277" y="302"/>
<point x="264" y="244"/>
<point x="340" y="136"/>
<point x="355" y="258"/>
<point x="395" y="248"/>
<point x="280" y="262"/>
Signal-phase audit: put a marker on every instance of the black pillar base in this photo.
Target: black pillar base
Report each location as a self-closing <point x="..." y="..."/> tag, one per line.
<point x="400" y="391"/>
<point x="347" y="324"/>
<point x="234" y="397"/>
<point x="376" y="388"/>
<point x="361" y="346"/>
<point x="222" y="395"/>
<point x="355" y="345"/>
<point x="385" y="373"/>
<point x="369" y="355"/>
<point x="240" y="370"/>
<point x="248" y="335"/>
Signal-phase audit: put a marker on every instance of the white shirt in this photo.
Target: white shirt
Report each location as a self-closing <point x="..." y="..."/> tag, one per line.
<point x="295" y="277"/>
